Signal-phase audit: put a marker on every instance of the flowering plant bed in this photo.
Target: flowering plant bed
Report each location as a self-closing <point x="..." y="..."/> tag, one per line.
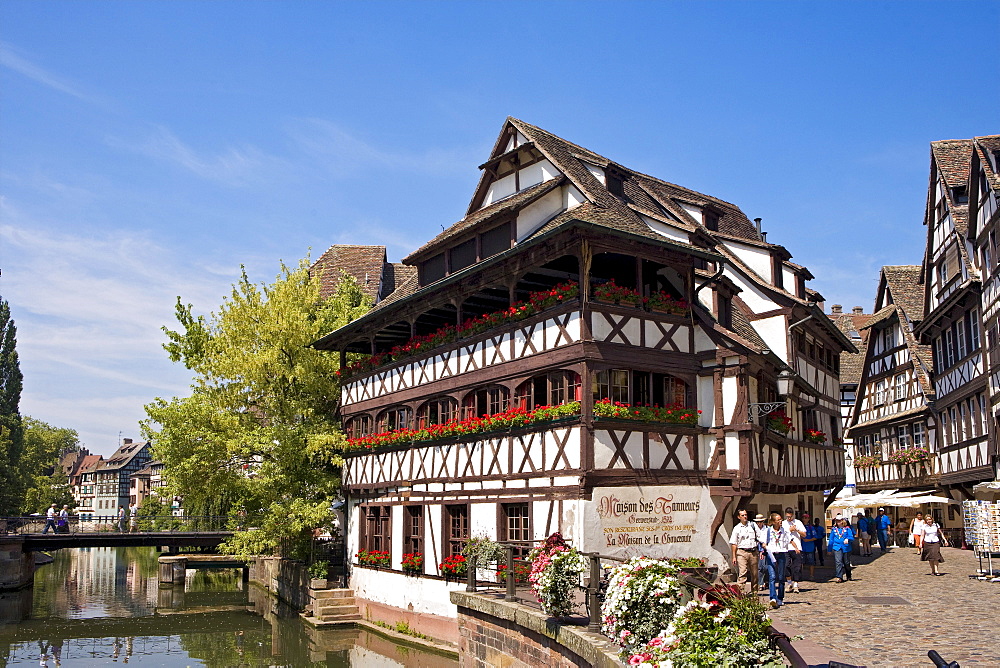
<point x="618" y="294"/>
<point x="665" y="303"/>
<point x="867" y="461"/>
<point x="521" y="572"/>
<point x="453" y="566"/>
<point x="673" y="414"/>
<point x="511" y="418"/>
<point x="779" y="422"/>
<point x="815" y="436"/>
<point x="555" y="573"/>
<point x="642" y="596"/>
<point x="413" y="562"/>
<point x="373" y="558"/>
<point x="909" y="456"/>
<point x="537" y="302"/>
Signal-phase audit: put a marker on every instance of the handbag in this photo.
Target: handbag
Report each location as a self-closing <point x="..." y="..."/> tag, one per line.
<point x="909" y="539"/>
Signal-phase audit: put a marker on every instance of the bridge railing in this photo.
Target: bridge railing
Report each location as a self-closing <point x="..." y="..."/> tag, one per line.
<point x="36" y="524"/>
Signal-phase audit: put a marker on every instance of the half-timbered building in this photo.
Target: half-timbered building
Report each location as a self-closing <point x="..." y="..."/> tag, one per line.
<point x="953" y="324"/>
<point x="893" y="424"/>
<point x="851" y="364"/>
<point x="656" y="364"/>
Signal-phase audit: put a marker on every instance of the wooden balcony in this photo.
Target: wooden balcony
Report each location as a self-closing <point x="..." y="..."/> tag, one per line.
<point x="897" y="476"/>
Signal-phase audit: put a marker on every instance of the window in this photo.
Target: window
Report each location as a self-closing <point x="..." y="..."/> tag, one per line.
<point x="903" y="436"/>
<point x="611" y="384"/>
<point x="397" y="417"/>
<point x="949" y="348"/>
<point x="888" y="339"/>
<point x="960" y="338"/>
<point x="432" y="269"/>
<point x="964" y="421"/>
<point x="942" y="272"/>
<point x="360" y="425"/>
<point x="515" y="526"/>
<point x="960" y="194"/>
<point x="379" y="527"/>
<point x="953" y="414"/>
<point x="486" y="401"/>
<point x="726" y="312"/>
<point x="880" y="392"/>
<point x="457" y="518"/>
<point x="919" y="435"/>
<point x="413" y="529"/>
<point x="973" y="318"/>
<point x="552" y="389"/>
<point x="900" y="387"/>
<point x="496" y="240"/>
<point x="439" y="410"/>
<point x="463" y="255"/>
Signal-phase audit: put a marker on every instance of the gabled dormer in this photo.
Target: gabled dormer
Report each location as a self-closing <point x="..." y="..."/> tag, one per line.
<point x="947" y="258"/>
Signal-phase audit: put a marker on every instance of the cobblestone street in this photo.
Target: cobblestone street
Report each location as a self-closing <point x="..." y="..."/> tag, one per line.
<point x="953" y="614"/>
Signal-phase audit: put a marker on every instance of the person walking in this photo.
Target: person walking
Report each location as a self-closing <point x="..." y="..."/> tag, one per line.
<point x="930" y="541"/>
<point x="809" y="546"/>
<point x="122" y="521"/>
<point x="820" y="541"/>
<point x="761" y="522"/>
<point x="50" y="519"/>
<point x="133" y="511"/>
<point x="841" y="536"/>
<point x="796" y="532"/>
<point x="776" y="546"/>
<point x="864" y="535"/>
<point x="916" y="531"/>
<point x="62" y="526"/>
<point x="745" y="545"/>
<point x="882" y="524"/>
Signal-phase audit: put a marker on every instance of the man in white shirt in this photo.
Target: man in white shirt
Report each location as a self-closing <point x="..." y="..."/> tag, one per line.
<point x="796" y="532"/>
<point x="50" y="519"/>
<point x="745" y="544"/>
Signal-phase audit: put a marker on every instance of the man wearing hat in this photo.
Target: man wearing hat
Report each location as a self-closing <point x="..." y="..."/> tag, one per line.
<point x="759" y="521"/>
<point x="745" y="544"/>
<point x="883" y="523"/>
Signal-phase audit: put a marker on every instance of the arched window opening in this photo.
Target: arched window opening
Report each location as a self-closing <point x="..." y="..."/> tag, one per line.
<point x="439" y="410"/>
<point x="396" y="417"/>
<point x="551" y="389"/>
<point x="359" y="425"/>
<point x="486" y="401"/>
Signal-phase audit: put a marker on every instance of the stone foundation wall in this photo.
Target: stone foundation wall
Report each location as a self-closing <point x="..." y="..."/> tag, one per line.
<point x="494" y="632"/>
<point x="288" y="580"/>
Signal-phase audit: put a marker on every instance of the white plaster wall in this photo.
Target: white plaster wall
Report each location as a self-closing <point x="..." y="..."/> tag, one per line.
<point x="669" y="231"/>
<point x="757" y="259"/>
<point x="693" y="210"/>
<point x="483" y="519"/>
<point x="596" y="171"/>
<point x="521" y="139"/>
<point x="702" y="341"/>
<point x="773" y="331"/>
<point x="543" y="170"/>
<point x="537" y="213"/>
<point x="732" y="451"/>
<point x="419" y="595"/>
<point x="754" y="298"/>
<point x="788" y="276"/>
<point x="499" y="189"/>
<point x="730" y="394"/>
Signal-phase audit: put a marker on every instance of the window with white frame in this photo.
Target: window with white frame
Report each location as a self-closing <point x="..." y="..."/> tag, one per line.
<point x="919" y="435"/>
<point x="900" y="382"/>
<point x="960" y="338"/>
<point x="903" y="436"/>
<point x="880" y="387"/>
<point x="949" y="348"/>
<point x="973" y="329"/>
<point x="888" y="338"/>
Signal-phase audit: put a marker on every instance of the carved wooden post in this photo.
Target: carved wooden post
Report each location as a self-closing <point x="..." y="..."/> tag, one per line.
<point x="593" y="591"/>
<point x="470" y="572"/>
<point x="511" y="594"/>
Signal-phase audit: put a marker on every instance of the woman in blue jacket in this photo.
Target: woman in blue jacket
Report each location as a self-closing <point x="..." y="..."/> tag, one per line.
<point x="839" y="543"/>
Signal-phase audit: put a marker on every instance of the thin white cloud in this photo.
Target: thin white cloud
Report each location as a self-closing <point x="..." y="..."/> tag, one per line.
<point x="16" y="62"/>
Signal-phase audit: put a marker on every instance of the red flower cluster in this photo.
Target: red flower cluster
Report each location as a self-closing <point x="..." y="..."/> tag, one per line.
<point x="512" y="417"/>
<point x="413" y="562"/>
<point x="612" y="292"/>
<point x="672" y="414"/>
<point x="815" y="436"/>
<point x="779" y="422"/>
<point x="373" y="558"/>
<point x="537" y="301"/>
<point x="453" y="565"/>
<point x="521" y="572"/>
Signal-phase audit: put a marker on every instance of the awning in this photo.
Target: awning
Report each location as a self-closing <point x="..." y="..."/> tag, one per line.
<point x="889" y="497"/>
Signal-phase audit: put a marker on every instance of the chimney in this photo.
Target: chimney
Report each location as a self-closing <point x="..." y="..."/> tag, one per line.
<point x="836" y="309"/>
<point x="859" y="309"/>
<point x="126" y="441"/>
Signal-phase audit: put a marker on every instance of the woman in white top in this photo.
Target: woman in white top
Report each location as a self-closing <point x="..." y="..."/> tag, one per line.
<point x="930" y="540"/>
<point x="915" y="526"/>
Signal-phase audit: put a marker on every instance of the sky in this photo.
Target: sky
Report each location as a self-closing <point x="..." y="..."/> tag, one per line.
<point x="149" y="149"/>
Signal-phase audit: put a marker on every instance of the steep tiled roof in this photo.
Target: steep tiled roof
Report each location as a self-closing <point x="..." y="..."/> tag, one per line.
<point x="364" y="263"/>
<point x="952" y="159"/>
<point x="989" y="144"/>
<point x="903" y="282"/>
<point x="852" y="364"/>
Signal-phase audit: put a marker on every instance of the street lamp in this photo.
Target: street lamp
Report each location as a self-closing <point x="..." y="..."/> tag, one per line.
<point x="848" y="459"/>
<point x="786" y="382"/>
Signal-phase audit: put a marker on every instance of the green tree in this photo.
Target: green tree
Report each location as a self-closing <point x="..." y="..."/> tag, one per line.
<point x="257" y="438"/>
<point x="11" y="434"/>
<point x="46" y="482"/>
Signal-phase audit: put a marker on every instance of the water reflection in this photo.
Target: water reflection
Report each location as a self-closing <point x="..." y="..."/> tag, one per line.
<point x="100" y="606"/>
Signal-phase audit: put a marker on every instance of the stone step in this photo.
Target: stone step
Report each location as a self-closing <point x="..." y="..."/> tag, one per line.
<point x="328" y="610"/>
<point x="322" y="594"/>
<point x="339" y="618"/>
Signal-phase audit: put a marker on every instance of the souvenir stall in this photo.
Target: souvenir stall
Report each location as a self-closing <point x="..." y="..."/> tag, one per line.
<point x="982" y="532"/>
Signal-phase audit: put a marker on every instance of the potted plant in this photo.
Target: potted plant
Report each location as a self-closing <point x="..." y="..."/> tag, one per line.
<point x="318" y="573"/>
<point x="661" y="302"/>
<point x="373" y="558"/>
<point x="453" y="566"/>
<point x="612" y="293"/>
<point x="779" y="422"/>
<point x="815" y="436"/>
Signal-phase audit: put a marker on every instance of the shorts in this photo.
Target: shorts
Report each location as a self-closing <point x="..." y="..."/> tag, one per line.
<point x="809" y="558"/>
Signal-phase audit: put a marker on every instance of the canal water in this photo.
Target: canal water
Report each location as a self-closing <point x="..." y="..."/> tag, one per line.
<point x="104" y="606"/>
